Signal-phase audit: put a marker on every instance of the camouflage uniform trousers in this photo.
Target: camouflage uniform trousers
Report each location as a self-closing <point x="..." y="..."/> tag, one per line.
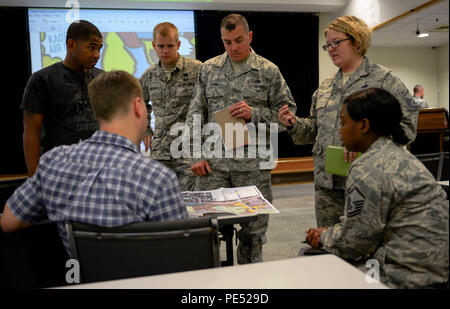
<point x="329" y="206"/>
<point x="252" y="235"/>
<point x="184" y="173"/>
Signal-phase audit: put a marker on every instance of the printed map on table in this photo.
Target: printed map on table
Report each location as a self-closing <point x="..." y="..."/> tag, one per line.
<point x="237" y="201"/>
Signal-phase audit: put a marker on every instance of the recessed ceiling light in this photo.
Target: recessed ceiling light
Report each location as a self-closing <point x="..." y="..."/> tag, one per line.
<point x="423" y="35"/>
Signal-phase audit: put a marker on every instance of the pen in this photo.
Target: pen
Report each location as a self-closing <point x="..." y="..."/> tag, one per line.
<point x="290" y="122"/>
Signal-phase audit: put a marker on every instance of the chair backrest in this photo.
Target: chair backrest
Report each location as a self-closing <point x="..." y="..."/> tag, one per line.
<point x="144" y="248"/>
<point x="445" y="167"/>
<point x="436" y="163"/>
<point x="34" y="257"/>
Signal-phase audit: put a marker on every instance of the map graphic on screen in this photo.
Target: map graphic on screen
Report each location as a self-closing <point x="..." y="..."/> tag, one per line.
<point x="127" y="36"/>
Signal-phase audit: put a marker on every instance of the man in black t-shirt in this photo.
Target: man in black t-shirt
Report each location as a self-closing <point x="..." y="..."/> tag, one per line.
<point x="56" y="98"/>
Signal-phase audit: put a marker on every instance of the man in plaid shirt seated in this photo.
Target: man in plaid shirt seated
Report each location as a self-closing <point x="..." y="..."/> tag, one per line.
<point x="104" y="180"/>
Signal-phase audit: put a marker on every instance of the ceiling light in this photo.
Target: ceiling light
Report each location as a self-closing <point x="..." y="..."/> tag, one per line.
<point x="418" y="33"/>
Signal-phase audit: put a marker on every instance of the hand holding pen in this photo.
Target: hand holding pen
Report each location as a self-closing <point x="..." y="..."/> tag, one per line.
<point x="286" y="117"/>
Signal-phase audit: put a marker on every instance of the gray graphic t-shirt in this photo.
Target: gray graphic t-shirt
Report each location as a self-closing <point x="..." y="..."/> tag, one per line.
<point x="61" y="95"/>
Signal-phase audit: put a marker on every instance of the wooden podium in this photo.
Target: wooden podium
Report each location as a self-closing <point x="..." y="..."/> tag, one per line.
<point x="433" y="120"/>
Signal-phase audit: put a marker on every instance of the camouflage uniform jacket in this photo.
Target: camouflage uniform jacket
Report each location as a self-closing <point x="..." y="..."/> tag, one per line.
<point x="395" y="212"/>
<point x="322" y="126"/>
<point x="260" y="84"/>
<point x="170" y="99"/>
<point x="421" y="103"/>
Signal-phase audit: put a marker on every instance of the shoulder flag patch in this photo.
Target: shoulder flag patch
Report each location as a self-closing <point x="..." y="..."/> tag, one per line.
<point x="355" y="202"/>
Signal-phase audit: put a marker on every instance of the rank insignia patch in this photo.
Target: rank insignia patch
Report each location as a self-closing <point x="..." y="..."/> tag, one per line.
<point x="355" y="202"/>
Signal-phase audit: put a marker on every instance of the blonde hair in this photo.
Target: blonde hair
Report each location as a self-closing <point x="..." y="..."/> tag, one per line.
<point x="164" y="29"/>
<point x="110" y="93"/>
<point x="354" y="27"/>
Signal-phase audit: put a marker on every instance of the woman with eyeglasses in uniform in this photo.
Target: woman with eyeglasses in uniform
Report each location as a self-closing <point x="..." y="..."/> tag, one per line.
<point x="347" y="41"/>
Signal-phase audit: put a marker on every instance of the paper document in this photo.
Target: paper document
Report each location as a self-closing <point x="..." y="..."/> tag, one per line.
<point x="235" y="201"/>
<point x="234" y="131"/>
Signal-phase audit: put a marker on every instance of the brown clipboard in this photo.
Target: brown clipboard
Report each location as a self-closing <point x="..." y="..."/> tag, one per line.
<point x="234" y="131"/>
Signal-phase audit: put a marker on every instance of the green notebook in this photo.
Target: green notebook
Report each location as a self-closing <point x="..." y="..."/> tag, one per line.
<point x="334" y="161"/>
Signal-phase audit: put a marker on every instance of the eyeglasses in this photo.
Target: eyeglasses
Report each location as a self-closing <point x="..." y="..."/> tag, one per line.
<point x="334" y="44"/>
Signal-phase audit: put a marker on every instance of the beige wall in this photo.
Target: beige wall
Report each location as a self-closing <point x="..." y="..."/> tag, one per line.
<point x="442" y="75"/>
<point x="426" y="66"/>
<point x="326" y="67"/>
<point x="412" y="65"/>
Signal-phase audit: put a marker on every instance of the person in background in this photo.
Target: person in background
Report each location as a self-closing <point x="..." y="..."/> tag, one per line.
<point x="169" y="85"/>
<point x="253" y="89"/>
<point x="395" y="212"/>
<point x="104" y="180"/>
<point x="418" y="96"/>
<point x="347" y="41"/>
<point x="56" y="109"/>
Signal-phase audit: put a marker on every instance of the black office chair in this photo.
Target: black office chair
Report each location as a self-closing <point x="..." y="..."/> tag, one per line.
<point x="436" y="163"/>
<point x="33" y="257"/>
<point x="144" y="248"/>
<point x="445" y="167"/>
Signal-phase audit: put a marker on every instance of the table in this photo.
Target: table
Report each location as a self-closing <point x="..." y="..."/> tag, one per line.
<point x="225" y="220"/>
<point x="308" y="272"/>
<point x="443" y="183"/>
<point x="226" y="228"/>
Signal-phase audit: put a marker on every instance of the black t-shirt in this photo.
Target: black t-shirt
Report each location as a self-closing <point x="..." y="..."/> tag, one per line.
<point x="61" y="95"/>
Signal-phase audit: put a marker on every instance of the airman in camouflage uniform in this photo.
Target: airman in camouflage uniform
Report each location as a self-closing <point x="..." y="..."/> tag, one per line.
<point x="260" y="90"/>
<point x="418" y="96"/>
<point x="395" y="213"/>
<point x="169" y="89"/>
<point x="322" y="126"/>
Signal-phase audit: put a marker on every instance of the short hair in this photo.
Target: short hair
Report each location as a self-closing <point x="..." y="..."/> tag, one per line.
<point x="382" y="110"/>
<point x="355" y="28"/>
<point x="110" y="93"/>
<point x="230" y="22"/>
<point x="164" y="29"/>
<point x="417" y="88"/>
<point x="82" y="30"/>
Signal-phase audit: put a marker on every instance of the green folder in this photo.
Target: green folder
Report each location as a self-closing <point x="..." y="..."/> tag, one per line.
<point x="334" y="161"/>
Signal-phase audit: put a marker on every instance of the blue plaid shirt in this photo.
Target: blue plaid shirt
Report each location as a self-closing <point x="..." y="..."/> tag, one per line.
<point x="104" y="180"/>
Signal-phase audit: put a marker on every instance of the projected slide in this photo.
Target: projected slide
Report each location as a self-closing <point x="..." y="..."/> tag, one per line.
<point x="127" y="36"/>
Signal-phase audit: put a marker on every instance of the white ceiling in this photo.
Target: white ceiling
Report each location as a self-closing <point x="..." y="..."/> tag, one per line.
<point x="402" y="33"/>
<point x="229" y="5"/>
